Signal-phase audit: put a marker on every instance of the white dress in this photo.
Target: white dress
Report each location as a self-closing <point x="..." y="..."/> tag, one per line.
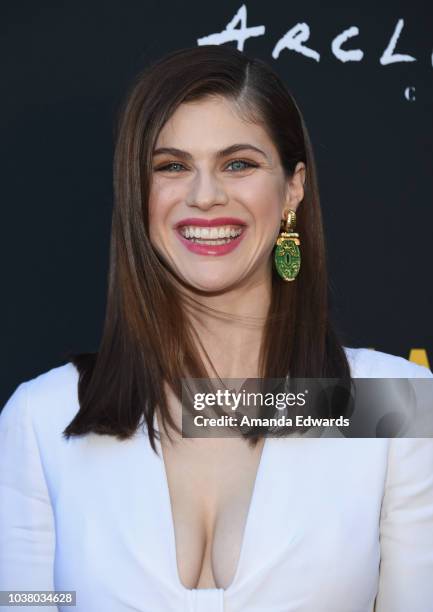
<point x="334" y="525"/>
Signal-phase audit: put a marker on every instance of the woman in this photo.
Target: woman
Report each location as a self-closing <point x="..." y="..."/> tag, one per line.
<point x="211" y="155"/>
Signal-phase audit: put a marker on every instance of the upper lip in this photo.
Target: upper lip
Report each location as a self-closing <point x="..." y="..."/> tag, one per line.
<point x="210" y="222"/>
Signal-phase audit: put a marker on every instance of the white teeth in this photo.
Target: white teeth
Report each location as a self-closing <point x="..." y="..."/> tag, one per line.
<point x="211" y="242"/>
<point x="210" y="233"/>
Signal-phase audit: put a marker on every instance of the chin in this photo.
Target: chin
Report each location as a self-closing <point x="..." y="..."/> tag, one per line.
<point x="208" y="284"/>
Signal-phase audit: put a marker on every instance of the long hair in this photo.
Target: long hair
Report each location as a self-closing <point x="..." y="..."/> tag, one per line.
<point x="147" y="337"/>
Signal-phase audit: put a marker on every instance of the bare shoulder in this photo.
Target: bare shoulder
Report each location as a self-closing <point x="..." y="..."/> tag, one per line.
<point x="368" y="363"/>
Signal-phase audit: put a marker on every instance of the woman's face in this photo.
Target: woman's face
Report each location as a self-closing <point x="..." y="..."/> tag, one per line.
<point x="202" y="179"/>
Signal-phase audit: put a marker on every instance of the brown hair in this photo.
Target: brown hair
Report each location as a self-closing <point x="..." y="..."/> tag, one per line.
<point x="147" y="338"/>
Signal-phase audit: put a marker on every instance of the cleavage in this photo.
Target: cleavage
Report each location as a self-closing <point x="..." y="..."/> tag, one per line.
<point x="211" y="484"/>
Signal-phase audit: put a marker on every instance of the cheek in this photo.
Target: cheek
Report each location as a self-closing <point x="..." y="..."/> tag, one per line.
<point x="263" y="194"/>
<point x="157" y="209"/>
<point x="265" y="205"/>
<point x="162" y="199"/>
<point x="155" y="219"/>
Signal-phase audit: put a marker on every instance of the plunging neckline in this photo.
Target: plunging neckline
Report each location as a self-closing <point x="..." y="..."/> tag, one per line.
<point x="167" y="512"/>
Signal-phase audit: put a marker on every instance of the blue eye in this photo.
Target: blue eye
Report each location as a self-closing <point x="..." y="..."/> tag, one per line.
<point x="241" y="161"/>
<point x="169" y="167"/>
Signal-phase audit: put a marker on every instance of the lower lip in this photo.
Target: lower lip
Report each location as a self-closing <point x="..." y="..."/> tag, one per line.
<point x="209" y="249"/>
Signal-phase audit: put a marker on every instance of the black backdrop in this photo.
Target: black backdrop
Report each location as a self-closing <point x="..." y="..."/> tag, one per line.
<point x="65" y="67"/>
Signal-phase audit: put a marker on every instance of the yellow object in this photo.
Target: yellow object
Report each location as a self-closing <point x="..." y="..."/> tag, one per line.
<point x="419" y="356"/>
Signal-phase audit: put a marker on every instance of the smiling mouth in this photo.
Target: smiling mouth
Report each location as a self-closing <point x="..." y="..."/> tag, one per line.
<point x="212" y="236"/>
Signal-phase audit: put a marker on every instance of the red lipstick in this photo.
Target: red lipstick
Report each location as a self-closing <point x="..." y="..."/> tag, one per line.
<point x="210" y="222"/>
<point x="201" y="248"/>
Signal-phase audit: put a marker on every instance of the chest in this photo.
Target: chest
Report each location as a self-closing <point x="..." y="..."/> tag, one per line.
<point x="211" y="482"/>
<point x="313" y="517"/>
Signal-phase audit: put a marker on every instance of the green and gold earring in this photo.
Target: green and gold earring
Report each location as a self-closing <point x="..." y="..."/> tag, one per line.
<point x="287" y="256"/>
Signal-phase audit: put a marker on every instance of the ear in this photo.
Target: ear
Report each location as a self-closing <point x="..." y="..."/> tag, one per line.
<point x="295" y="187"/>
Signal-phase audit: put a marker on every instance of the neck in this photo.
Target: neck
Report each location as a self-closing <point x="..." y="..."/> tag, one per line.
<point x="232" y="336"/>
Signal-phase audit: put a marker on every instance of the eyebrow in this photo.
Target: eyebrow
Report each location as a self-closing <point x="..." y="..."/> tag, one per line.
<point x="219" y="154"/>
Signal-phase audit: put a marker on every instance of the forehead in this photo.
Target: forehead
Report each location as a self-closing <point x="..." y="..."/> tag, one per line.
<point x="211" y="122"/>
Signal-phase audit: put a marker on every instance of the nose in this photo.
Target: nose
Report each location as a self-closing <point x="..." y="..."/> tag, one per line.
<point x="206" y="191"/>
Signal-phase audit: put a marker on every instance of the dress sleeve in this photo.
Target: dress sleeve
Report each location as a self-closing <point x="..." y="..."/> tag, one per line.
<point x="406" y="526"/>
<point x="27" y="539"/>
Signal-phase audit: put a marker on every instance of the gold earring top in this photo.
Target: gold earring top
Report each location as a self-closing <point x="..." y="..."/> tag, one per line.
<point x="289" y="219"/>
